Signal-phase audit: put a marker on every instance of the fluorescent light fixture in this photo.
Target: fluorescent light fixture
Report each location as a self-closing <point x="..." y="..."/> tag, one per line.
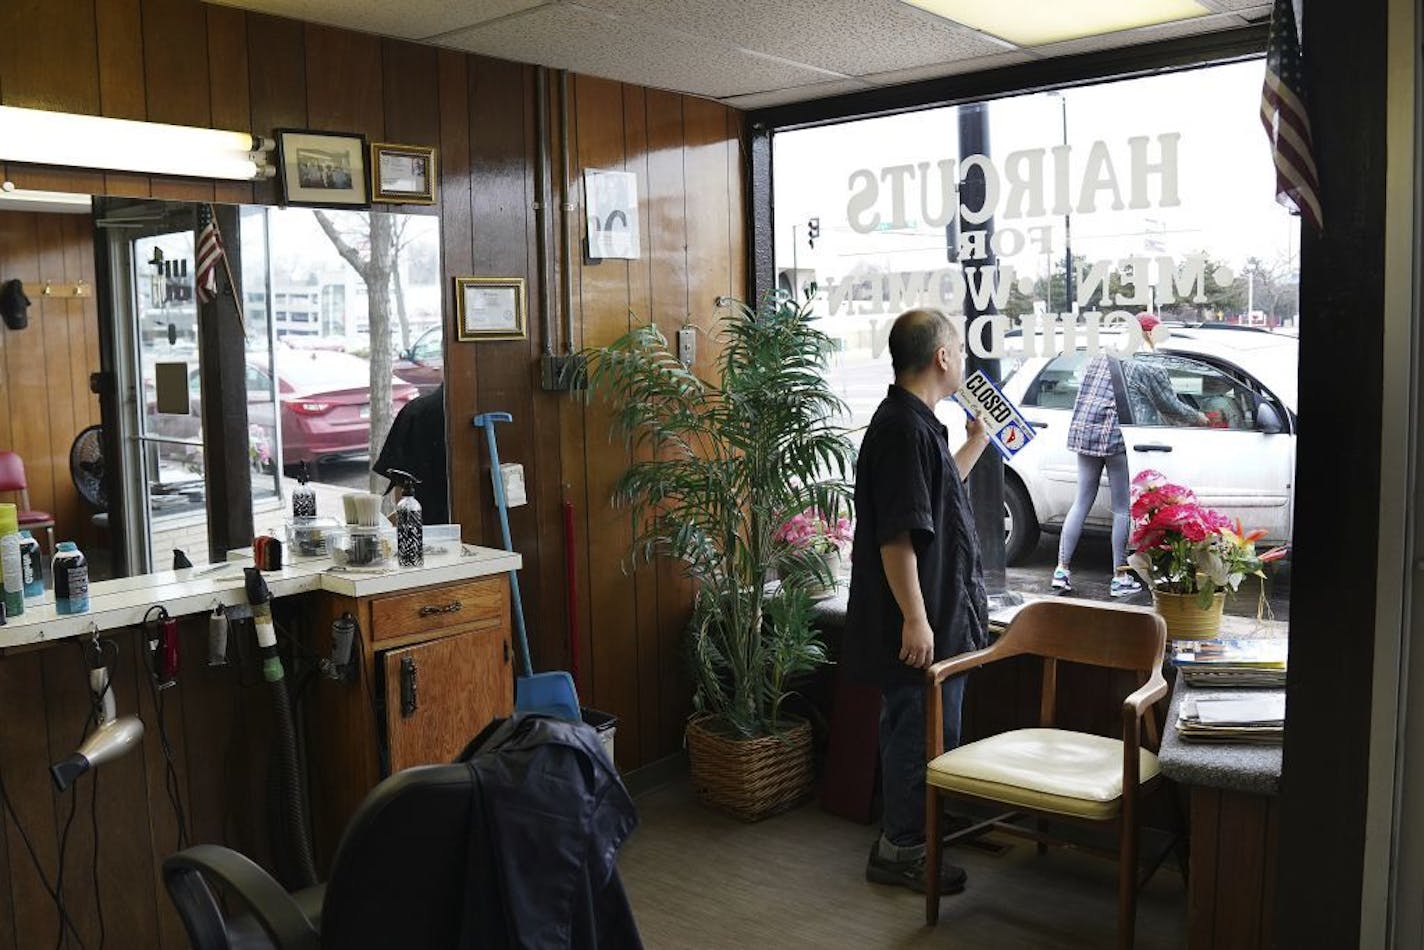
<point x="90" y="141"/>
<point x="54" y="202"/>
<point x="1037" y="23"/>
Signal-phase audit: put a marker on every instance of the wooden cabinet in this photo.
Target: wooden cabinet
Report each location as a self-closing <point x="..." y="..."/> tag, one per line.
<point x="432" y="667"/>
<point x="441" y="693"/>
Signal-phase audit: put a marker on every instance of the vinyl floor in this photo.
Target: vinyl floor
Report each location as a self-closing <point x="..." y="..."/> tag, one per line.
<point x="698" y="880"/>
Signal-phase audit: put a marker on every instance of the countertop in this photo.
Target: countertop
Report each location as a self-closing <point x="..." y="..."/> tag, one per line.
<point x="122" y="602"/>
<point x="1255" y="769"/>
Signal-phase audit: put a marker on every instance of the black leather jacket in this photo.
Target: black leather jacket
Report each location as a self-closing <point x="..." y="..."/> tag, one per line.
<point x="549" y="818"/>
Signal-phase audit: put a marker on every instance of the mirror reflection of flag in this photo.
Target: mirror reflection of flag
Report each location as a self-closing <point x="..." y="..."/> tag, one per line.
<point x="210" y="251"/>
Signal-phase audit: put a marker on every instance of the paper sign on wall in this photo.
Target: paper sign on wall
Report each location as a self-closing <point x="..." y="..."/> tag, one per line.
<point x="1008" y="429"/>
<point x="612" y="202"/>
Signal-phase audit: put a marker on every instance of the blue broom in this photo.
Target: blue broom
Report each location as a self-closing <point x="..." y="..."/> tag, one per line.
<point x="551" y="693"/>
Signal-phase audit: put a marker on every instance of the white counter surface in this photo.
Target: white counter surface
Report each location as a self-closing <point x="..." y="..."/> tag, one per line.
<point x="123" y="602"/>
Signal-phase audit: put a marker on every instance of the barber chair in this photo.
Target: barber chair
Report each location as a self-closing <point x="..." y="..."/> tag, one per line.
<point x="398" y="878"/>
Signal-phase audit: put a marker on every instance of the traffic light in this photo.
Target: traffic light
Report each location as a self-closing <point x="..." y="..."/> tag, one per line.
<point x="813" y="231"/>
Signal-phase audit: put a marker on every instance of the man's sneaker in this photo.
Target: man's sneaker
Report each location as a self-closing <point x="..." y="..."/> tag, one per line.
<point x="911" y="873"/>
<point x="1124" y="585"/>
<point x="1061" y="580"/>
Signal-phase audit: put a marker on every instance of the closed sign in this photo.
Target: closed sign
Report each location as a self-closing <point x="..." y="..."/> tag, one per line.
<point x="1008" y="429"/>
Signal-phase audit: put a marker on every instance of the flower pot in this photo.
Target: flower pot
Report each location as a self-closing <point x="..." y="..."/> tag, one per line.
<point x="1185" y="616"/>
<point x="818" y="590"/>
<point x="750" y="779"/>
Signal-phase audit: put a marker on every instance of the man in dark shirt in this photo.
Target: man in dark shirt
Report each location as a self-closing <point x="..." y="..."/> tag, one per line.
<point x="416" y="444"/>
<point x="916" y="588"/>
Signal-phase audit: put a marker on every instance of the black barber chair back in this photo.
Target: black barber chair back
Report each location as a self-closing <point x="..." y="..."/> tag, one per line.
<point x="398" y="878"/>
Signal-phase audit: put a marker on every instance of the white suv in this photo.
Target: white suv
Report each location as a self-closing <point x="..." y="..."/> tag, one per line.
<point x="1243" y="466"/>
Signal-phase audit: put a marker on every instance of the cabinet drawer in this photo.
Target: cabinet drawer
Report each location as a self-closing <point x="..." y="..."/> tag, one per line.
<point x="440" y="608"/>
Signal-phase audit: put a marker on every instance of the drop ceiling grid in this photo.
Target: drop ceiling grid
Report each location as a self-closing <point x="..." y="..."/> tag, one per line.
<point x="852" y="37"/>
<point x="406" y="19"/>
<point x="570" y="36"/>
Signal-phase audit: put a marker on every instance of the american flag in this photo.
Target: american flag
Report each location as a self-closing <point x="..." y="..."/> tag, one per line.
<point x="210" y="253"/>
<point x="1287" y="125"/>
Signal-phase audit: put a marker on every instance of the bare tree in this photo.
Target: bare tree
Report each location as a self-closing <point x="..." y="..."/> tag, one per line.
<point x="399" y="241"/>
<point x="367" y="243"/>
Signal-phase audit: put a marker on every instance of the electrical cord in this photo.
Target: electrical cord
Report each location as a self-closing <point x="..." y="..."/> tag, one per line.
<point x="94" y="868"/>
<point x="171" y="783"/>
<point x="35" y="860"/>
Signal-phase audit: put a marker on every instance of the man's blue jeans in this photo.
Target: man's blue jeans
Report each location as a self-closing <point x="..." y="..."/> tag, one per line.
<point x="902" y="756"/>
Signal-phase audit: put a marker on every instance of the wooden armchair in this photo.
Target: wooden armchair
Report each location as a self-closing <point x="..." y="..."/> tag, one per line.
<point x="1053" y="772"/>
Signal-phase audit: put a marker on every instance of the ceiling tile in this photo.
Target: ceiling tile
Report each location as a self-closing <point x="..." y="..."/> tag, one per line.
<point x="817" y="90"/>
<point x="940" y="70"/>
<point x="567" y="36"/>
<point x="409" y="19"/>
<point x="1147" y="34"/>
<point x="852" y="37"/>
<point x="1237" y="6"/>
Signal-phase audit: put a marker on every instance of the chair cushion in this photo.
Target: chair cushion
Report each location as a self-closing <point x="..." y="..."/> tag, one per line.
<point x="35" y="517"/>
<point x="1053" y="770"/>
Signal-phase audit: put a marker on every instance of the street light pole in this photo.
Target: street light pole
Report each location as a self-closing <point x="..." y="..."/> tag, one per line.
<point x="1067" y="221"/>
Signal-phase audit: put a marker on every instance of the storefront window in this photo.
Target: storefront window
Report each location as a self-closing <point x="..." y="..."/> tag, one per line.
<point x="1098" y="203"/>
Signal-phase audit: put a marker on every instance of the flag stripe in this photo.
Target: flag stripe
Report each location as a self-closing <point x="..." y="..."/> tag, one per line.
<point x="1286" y="120"/>
<point x="210" y="251"/>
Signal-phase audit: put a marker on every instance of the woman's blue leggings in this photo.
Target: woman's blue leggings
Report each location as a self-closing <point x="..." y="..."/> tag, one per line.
<point x="1090" y="470"/>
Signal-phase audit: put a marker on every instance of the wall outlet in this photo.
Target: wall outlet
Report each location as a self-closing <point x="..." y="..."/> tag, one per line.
<point x="687" y="345"/>
<point x="515" y="494"/>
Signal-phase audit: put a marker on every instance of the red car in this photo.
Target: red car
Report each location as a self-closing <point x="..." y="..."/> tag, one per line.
<point x="326" y="403"/>
<point x="423" y="365"/>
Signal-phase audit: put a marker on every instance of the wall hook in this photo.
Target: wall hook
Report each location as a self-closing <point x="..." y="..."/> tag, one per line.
<point x="48" y="292"/>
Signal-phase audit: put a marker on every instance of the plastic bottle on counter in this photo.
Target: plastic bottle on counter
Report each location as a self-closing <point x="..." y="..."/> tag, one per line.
<point x="410" y="531"/>
<point x="71" y="579"/>
<point x="31" y="566"/>
<point x="303" y="496"/>
<point x="11" y="561"/>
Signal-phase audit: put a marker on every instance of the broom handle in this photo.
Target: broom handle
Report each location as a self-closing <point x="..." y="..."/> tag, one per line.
<point x="486" y="421"/>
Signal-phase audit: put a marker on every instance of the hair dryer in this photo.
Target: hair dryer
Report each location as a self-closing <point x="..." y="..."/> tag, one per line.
<point x="111" y="738"/>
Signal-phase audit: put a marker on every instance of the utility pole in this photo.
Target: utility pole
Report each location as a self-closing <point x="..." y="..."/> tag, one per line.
<point x="1068" y="274"/>
<point x="986" y="481"/>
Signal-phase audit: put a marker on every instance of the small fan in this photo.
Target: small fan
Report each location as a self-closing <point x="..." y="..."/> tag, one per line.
<point x="86" y="467"/>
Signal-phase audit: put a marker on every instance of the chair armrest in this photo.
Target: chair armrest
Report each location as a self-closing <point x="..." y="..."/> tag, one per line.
<point x="964" y="662"/>
<point x="1148" y="693"/>
<point x="269" y="902"/>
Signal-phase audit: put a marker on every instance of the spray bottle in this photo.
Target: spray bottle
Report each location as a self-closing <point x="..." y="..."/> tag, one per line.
<point x="31" y="566"/>
<point x="303" y="496"/>
<point x="11" y="564"/>
<point x="410" y="532"/>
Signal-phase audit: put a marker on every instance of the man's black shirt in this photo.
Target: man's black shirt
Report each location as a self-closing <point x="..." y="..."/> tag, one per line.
<point x="416" y="444"/>
<point x="906" y="480"/>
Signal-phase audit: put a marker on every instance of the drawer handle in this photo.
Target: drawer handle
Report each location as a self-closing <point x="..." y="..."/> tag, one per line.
<point x="453" y="607"/>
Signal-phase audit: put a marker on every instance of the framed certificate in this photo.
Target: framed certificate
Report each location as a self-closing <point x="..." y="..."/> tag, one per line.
<point x="490" y="308"/>
<point x="402" y="174"/>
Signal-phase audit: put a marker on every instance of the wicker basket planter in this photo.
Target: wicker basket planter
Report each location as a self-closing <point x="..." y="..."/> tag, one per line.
<point x="750" y="779"/>
<point x="1186" y="618"/>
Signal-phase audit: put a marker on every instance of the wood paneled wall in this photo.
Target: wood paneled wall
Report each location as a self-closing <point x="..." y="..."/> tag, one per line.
<point x="181" y="61"/>
<point x="44" y="369"/>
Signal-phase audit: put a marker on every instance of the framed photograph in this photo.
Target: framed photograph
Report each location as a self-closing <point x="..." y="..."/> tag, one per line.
<point x="402" y="174"/>
<point x="490" y="308"/>
<point x="322" y="169"/>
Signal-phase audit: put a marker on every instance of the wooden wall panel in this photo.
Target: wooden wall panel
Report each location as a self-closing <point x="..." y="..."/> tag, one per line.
<point x="604" y="288"/>
<point x="182" y="61"/>
<point x="45" y="396"/>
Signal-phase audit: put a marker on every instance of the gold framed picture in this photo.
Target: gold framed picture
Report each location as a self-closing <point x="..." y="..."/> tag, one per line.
<point x="402" y="174"/>
<point x="489" y="308"/>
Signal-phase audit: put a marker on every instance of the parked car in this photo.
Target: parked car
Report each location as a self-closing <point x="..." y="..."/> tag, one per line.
<point x="326" y="407"/>
<point x="1243" y="465"/>
<point x="423" y="365"/>
<point x="325" y="400"/>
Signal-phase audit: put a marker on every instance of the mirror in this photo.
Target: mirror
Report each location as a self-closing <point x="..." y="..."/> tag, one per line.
<point x="318" y="291"/>
<point x="1268" y="419"/>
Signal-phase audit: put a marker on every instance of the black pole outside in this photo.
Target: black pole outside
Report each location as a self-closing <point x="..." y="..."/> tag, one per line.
<point x="986" y="481"/>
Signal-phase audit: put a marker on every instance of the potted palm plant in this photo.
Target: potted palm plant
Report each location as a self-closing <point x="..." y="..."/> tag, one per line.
<point x="726" y="462"/>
